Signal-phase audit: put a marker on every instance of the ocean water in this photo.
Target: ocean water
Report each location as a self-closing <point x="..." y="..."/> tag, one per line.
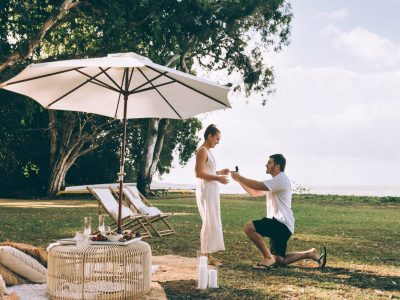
<point x="348" y="190"/>
<point x="356" y="190"/>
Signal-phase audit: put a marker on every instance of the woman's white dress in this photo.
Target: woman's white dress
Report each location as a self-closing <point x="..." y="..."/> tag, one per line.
<point x="208" y="203"/>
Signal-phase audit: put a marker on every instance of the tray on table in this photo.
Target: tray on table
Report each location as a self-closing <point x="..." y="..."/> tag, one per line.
<point x="71" y="241"/>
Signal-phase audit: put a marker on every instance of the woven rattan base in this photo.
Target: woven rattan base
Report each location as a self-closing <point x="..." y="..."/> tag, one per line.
<point x="99" y="272"/>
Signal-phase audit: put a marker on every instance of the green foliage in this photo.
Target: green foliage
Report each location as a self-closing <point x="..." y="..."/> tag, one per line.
<point x="30" y="169"/>
<point x="181" y="139"/>
<point x="99" y="166"/>
<point x="346" y="200"/>
<point x="217" y="35"/>
<point x="24" y="149"/>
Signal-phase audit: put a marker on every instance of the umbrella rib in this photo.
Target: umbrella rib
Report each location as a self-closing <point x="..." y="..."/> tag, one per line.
<point x="130" y="79"/>
<point x="112" y="80"/>
<point x="189" y="87"/>
<point x="74" y="89"/>
<point x="99" y="82"/>
<point x="42" y="76"/>
<point x="119" y="97"/>
<point x="150" y="88"/>
<point x="144" y="75"/>
<point x="155" y="78"/>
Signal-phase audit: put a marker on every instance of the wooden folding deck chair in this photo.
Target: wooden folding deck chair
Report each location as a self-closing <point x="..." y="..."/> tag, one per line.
<point x="151" y="213"/>
<point x="130" y="219"/>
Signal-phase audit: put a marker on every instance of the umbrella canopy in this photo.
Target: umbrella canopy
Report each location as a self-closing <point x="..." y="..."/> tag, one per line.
<point x="97" y="85"/>
<point x="122" y="86"/>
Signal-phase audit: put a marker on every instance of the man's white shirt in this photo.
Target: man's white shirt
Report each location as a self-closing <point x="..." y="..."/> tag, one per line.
<point x="279" y="200"/>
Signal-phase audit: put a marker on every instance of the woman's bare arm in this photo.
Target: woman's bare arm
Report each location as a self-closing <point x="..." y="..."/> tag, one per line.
<point x="200" y="168"/>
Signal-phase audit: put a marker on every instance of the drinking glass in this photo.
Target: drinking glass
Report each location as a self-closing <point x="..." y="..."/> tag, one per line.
<point x="101" y="228"/>
<point x="80" y="238"/>
<point x="88" y="225"/>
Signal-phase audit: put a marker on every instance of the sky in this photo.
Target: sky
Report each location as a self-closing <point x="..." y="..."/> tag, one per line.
<point x="335" y="112"/>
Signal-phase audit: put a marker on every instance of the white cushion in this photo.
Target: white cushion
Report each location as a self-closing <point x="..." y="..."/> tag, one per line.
<point x="3" y="289"/>
<point x="151" y="211"/>
<point x="22" y="264"/>
<point x="134" y="191"/>
<point x="154" y="211"/>
<point x="134" y="197"/>
<point x="125" y="212"/>
<point x="144" y="210"/>
<point x="111" y="204"/>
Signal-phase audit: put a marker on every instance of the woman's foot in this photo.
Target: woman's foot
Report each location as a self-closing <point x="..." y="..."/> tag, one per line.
<point x="215" y="262"/>
<point x="212" y="261"/>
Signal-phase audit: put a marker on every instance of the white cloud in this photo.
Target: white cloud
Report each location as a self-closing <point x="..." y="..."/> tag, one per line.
<point x="357" y="114"/>
<point x="332" y="124"/>
<point x="366" y="45"/>
<point x="335" y="15"/>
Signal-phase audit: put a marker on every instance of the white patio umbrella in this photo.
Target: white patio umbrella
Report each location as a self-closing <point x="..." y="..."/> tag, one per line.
<point x="123" y="86"/>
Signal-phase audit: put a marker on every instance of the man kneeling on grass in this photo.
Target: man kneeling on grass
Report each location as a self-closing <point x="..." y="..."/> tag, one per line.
<point x="279" y="223"/>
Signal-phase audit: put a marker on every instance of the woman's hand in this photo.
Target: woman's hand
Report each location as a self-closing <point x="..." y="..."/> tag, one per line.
<point x="223" y="172"/>
<point x="223" y="179"/>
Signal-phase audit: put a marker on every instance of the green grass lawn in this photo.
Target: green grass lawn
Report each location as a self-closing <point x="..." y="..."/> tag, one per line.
<point x="362" y="235"/>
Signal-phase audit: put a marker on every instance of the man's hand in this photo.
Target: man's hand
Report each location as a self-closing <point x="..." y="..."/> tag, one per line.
<point x="223" y="172"/>
<point x="235" y="176"/>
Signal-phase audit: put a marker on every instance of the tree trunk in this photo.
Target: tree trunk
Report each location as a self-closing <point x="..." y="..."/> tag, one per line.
<point x="154" y="142"/>
<point x="53" y="137"/>
<point x="68" y="142"/>
<point x="58" y="174"/>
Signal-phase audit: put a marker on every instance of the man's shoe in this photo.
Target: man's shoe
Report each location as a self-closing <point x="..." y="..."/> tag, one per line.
<point x="322" y="258"/>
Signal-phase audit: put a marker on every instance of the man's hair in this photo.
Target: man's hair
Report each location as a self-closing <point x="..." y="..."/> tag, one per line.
<point x="280" y="160"/>
<point x="211" y="129"/>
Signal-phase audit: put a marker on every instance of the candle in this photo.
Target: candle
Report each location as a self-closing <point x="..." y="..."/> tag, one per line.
<point x="203" y="260"/>
<point x="203" y="277"/>
<point x="212" y="279"/>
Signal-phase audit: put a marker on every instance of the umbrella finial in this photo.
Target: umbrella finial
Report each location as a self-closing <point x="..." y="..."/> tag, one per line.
<point x="130" y="54"/>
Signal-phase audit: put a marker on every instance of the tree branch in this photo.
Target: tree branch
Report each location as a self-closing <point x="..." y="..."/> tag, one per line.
<point x="46" y="27"/>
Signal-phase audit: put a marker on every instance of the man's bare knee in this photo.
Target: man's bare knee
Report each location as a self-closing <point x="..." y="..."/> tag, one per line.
<point x="249" y="227"/>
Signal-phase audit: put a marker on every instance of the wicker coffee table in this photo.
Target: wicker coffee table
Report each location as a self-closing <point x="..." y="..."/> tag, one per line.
<point x="99" y="271"/>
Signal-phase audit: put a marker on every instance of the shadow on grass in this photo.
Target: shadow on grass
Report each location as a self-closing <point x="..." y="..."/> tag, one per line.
<point x="186" y="289"/>
<point x="329" y="275"/>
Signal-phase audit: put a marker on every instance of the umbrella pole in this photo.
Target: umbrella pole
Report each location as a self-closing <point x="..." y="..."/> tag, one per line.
<point x="122" y="162"/>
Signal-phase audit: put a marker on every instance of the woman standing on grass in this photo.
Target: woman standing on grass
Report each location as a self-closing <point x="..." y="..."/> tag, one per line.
<point x="207" y="195"/>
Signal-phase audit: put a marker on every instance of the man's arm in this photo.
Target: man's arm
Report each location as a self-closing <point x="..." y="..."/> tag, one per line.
<point x="253" y="187"/>
<point x="252" y="192"/>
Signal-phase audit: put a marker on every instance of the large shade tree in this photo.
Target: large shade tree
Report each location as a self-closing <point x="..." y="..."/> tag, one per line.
<point x="213" y="35"/>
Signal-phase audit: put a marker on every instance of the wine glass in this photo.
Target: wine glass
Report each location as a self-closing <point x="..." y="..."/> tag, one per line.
<point x="102" y="228"/>
<point x="88" y="225"/>
<point x="108" y="230"/>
